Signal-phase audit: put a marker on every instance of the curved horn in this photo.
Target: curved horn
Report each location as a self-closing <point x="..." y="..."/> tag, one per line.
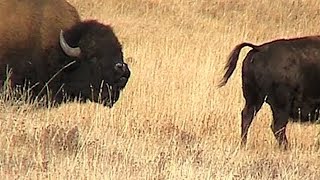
<point x="70" y="51"/>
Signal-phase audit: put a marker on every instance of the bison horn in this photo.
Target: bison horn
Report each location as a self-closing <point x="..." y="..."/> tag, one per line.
<point x="70" y="51"/>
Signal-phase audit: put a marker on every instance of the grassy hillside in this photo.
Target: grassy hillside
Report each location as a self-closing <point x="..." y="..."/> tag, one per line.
<point x="171" y="121"/>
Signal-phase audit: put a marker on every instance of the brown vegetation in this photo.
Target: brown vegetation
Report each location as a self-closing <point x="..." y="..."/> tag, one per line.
<point x="171" y="122"/>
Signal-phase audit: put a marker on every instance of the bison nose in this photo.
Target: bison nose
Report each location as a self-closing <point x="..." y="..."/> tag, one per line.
<point x="121" y="67"/>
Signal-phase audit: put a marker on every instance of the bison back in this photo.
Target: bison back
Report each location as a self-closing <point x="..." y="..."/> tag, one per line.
<point x="29" y="31"/>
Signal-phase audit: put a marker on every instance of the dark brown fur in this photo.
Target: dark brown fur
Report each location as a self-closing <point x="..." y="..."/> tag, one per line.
<point x="29" y="45"/>
<point x="285" y="73"/>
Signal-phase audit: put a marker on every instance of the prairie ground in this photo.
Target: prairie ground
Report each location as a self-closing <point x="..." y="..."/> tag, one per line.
<point x="171" y="122"/>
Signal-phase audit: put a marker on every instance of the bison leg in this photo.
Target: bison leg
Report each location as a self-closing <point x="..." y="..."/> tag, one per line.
<point x="253" y="104"/>
<point x="280" y="103"/>
<point x="247" y="116"/>
<point x="278" y="126"/>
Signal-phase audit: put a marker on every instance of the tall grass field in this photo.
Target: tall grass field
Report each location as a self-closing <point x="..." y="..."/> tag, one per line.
<point x="171" y="121"/>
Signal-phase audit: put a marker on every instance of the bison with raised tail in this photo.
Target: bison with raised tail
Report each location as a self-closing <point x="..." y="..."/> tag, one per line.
<point x="286" y="74"/>
<point x="47" y="47"/>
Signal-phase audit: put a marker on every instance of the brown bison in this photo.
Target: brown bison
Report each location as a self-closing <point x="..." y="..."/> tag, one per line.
<point x="285" y="73"/>
<point x="47" y="47"/>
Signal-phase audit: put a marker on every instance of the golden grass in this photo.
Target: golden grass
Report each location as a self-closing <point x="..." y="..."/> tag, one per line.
<point x="171" y="121"/>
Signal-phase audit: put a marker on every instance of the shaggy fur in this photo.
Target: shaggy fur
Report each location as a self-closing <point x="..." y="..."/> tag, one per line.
<point x="286" y="74"/>
<point x="29" y="46"/>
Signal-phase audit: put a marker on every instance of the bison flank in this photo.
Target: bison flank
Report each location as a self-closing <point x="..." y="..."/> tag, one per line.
<point x="285" y="74"/>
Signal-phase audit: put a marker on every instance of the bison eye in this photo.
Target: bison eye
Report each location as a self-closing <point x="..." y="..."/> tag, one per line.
<point x="93" y="60"/>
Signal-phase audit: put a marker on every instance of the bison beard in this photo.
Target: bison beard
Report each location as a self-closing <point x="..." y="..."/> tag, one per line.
<point x="284" y="73"/>
<point x="58" y="53"/>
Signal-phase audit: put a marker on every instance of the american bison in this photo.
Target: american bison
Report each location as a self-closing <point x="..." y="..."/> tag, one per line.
<point x="47" y="47"/>
<point x="285" y="73"/>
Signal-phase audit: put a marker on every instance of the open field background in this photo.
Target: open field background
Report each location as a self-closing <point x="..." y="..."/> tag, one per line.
<point x="171" y="121"/>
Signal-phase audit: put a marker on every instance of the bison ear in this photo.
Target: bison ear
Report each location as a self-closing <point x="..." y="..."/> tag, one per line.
<point x="70" y="51"/>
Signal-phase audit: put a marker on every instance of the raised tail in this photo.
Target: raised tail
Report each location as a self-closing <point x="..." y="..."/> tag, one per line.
<point x="232" y="62"/>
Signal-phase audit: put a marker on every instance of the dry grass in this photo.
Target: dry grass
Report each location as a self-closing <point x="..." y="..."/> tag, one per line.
<point x="171" y="121"/>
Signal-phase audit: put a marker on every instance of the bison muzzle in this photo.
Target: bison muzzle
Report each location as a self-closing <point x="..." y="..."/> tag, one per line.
<point x="48" y="47"/>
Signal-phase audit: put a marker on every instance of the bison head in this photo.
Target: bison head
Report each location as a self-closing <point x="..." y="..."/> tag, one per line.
<point x="99" y="72"/>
